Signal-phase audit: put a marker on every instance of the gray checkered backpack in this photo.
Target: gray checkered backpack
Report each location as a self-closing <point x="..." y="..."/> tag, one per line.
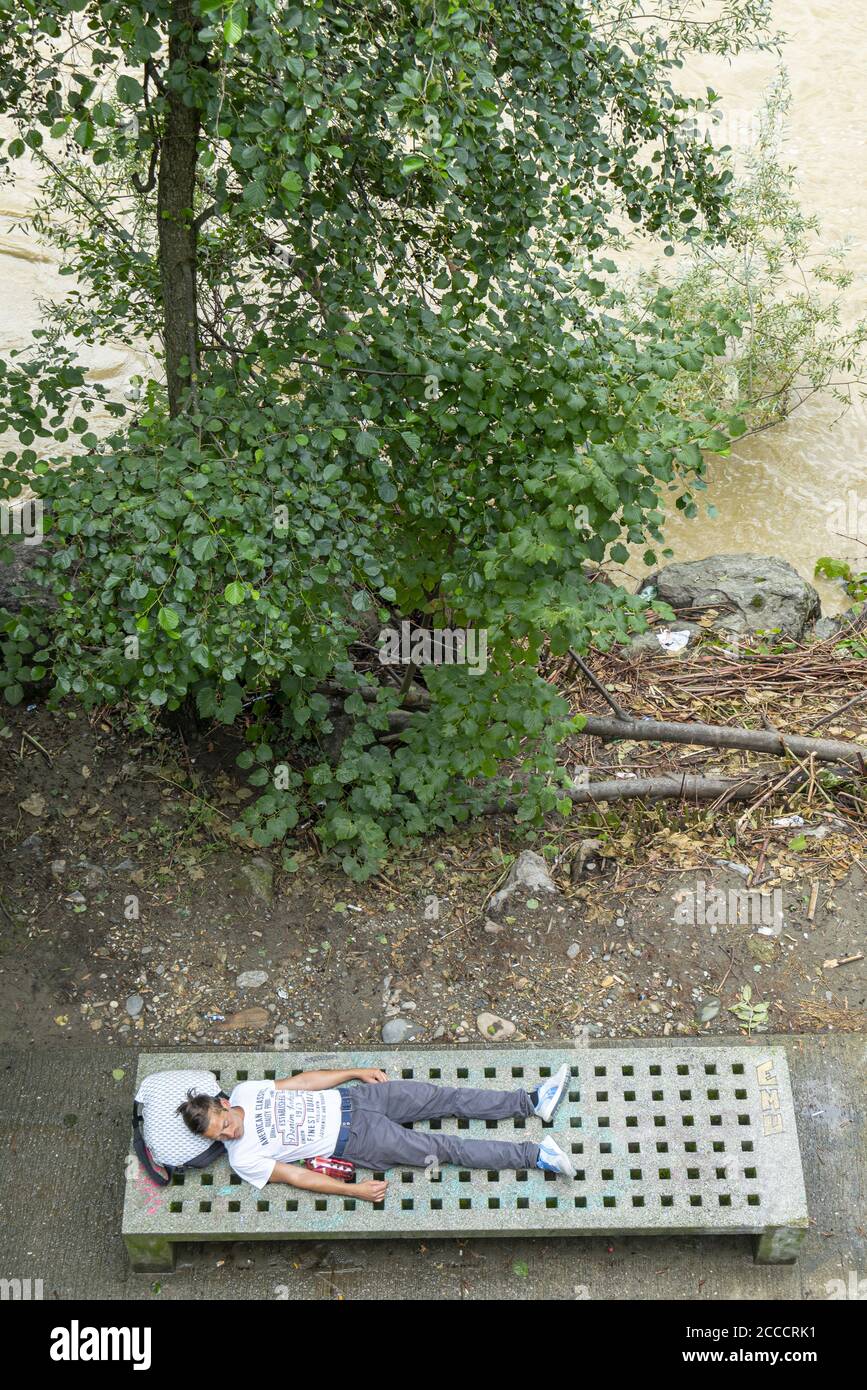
<point x="160" y="1138"/>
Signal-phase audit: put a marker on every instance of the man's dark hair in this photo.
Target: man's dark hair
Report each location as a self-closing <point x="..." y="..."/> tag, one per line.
<point x="197" y="1111"/>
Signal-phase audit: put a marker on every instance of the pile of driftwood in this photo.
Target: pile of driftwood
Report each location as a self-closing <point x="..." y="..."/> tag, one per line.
<point x="807" y="668"/>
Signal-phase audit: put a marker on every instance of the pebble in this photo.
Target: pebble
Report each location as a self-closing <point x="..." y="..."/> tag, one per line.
<point x="134" y="1005"/>
<point x="397" y="1030"/>
<point x="572" y="950"/>
<point x="707" y="1009"/>
<point x="494" y="1028"/>
<point x="252" y="979"/>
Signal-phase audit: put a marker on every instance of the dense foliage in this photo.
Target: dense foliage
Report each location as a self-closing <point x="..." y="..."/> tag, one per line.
<point x="368" y="248"/>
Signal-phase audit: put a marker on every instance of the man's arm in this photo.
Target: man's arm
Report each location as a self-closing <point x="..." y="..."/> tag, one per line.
<point x="297" y="1176"/>
<point x="324" y="1080"/>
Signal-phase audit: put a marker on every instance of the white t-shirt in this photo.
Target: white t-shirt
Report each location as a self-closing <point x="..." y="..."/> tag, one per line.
<point x="281" y="1126"/>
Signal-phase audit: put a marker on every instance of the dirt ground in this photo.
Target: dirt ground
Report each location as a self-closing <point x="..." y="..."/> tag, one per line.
<point x="127" y="912"/>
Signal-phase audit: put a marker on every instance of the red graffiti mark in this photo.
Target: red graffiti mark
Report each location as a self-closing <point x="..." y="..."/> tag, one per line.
<point x="146" y="1186"/>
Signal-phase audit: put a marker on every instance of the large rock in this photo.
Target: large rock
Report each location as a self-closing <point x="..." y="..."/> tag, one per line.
<point x="755" y="593"/>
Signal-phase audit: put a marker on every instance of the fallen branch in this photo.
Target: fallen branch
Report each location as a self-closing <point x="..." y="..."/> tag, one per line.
<point x="669" y="787"/>
<point x="722" y="736"/>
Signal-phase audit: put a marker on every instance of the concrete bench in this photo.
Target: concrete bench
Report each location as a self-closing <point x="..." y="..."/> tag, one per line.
<point x="671" y="1140"/>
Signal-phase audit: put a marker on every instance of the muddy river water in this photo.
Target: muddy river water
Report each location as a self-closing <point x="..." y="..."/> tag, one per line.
<point x="798" y="491"/>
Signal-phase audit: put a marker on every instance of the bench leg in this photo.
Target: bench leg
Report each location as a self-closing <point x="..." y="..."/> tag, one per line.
<point x="779" y="1245"/>
<point x="150" y="1254"/>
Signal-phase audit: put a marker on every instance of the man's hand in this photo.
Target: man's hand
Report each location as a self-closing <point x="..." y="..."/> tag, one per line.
<point x="370" y="1074"/>
<point x="370" y="1191"/>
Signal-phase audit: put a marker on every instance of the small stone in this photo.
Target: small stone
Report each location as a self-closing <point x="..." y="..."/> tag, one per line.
<point x="762" y="949"/>
<point x="134" y="1005"/>
<point x="256" y="877"/>
<point x="492" y="927"/>
<point x="707" y="1009"/>
<point x="252" y="979"/>
<point x="572" y="950"/>
<point x="528" y="871"/>
<point x="244" y="1018"/>
<point x="397" y="1030"/>
<point x="494" y="1028"/>
<point x="58" y="868"/>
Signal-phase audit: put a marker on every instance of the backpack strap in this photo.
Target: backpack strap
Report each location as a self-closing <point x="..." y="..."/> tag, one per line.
<point x="162" y="1176"/>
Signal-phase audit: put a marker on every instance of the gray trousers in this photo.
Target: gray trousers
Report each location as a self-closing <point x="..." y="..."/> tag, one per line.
<point x="380" y="1109"/>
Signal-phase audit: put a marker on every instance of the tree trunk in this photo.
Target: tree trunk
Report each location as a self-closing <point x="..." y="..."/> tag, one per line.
<point x="177" y="232"/>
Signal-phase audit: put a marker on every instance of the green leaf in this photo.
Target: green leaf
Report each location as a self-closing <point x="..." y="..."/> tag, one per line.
<point x="235" y="25"/>
<point x="129" y="90"/>
<point x="234" y="593"/>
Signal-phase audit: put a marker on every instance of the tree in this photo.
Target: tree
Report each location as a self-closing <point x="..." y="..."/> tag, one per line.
<point x="400" y="379"/>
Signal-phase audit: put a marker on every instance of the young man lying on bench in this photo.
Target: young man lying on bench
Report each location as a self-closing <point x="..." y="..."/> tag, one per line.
<point x="267" y="1126"/>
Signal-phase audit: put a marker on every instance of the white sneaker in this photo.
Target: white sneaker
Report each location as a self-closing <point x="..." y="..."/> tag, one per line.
<point x="552" y="1159"/>
<point x="551" y="1093"/>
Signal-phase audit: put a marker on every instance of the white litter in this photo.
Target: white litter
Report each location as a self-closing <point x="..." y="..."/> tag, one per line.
<point x="672" y="641"/>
